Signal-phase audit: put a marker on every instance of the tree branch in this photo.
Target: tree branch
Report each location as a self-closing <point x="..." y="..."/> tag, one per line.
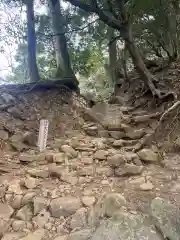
<point x="105" y="16"/>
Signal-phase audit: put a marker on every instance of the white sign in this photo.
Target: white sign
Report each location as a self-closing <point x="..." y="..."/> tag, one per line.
<point x="43" y="134"/>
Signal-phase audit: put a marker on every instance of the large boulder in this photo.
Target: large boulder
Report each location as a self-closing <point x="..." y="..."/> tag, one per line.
<point x="166" y="218"/>
<point x="126" y="226"/>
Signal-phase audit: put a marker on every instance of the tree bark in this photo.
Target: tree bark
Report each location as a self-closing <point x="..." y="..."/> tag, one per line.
<point x="32" y="62"/>
<point x="112" y="55"/>
<point x="64" y="68"/>
<point x="148" y="78"/>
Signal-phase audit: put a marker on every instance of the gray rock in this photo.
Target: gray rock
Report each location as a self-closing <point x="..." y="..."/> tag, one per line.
<point x="104" y="171"/>
<point x="64" y="206"/>
<point x="116" y="160"/>
<point x="100" y="154"/>
<point x="117" y="134"/>
<point x="28" y="198"/>
<point x="40" y="203"/>
<point x="126" y="226"/>
<point x="129" y="170"/>
<point x="79" y="219"/>
<point x="69" y="151"/>
<point x="112" y="203"/>
<point x="4" y="135"/>
<point x="5" y="211"/>
<point x="39" y="234"/>
<point x="135" y="133"/>
<point x="16" y="201"/>
<point x="13" y="236"/>
<point x="41" y="173"/>
<point x="88" y="200"/>
<point x="147" y="155"/>
<point x="84" y="234"/>
<point x="30" y="138"/>
<point x="42" y="218"/>
<point x="25" y="213"/>
<point x="18" y="225"/>
<point x="166" y="218"/>
<point x="86" y="171"/>
<point x="7" y="97"/>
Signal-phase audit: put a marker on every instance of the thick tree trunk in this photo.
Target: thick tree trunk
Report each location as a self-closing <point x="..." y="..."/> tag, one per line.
<point x="112" y="55"/>
<point x="146" y="76"/>
<point x="32" y="63"/>
<point x="64" y="68"/>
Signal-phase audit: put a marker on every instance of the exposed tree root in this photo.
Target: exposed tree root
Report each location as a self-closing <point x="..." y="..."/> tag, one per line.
<point x="160" y="129"/>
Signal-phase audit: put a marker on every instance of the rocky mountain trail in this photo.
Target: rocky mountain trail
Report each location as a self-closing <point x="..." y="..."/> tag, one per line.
<point x="92" y="182"/>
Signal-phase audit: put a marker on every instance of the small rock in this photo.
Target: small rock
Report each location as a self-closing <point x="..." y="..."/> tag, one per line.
<point x="28" y="198"/>
<point x="139" y="180"/>
<point x="19" y="146"/>
<point x="84" y="234"/>
<point x="87" y="160"/>
<point x="39" y="234"/>
<point x="69" y="151"/>
<point x="18" y="225"/>
<point x="112" y="203"/>
<point x="30" y="183"/>
<point x="13" y="236"/>
<point x="103" y="133"/>
<point x="16" y="201"/>
<point x="40" y="203"/>
<point x="17" y="137"/>
<point x="59" y="158"/>
<point x="64" y="206"/>
<point x="117" y="134"/>
<point x="5" y="224"/>
<point x="79" y="219"/>
<point x="14" y="187"/>
<point x="7" y="97"/>
<point x="25" y="213"/>
<point x="48" y="226"/>
<point x="30" y="138"/>
<point x="135" y="133"/>
<point x="104" y="171"/>
<point x="118" y="143"/>
<point x="42" y="218"/>
<point x="55" y="171"/>
<point x="100" y="155"/>
<point x="116" y="160"/>
<point x="41" y="173"/>
<point x="131" y="157"/>
<point x="69" y="178"/>
<point x="26" y="158"/>
<point x="64" y="237"/>
<point x="147" y="186"/>
<point x="2" y="192"/>
<point x="40" y="158"/>
<point x="129" y="170"/>
<point x="5" y="211"/>
<point x="4" y="135"/>
<point x="91" y="131"/>
<point x="147" y="155"/>
<point x="8" y="198"/>
<point x="16" y="113"/>
<point x="86" y="171"/>
<point x="88" y="201"/>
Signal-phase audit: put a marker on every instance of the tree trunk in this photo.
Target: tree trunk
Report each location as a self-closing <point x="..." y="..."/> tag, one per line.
<point x="112" y="55"/>
<point x="32" y="63"/>
<point x="64" y="68"/>
<point x="146" y="76"/>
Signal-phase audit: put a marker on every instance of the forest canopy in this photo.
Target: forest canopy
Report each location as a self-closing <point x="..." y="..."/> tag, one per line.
<point x="95" y="42"/>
